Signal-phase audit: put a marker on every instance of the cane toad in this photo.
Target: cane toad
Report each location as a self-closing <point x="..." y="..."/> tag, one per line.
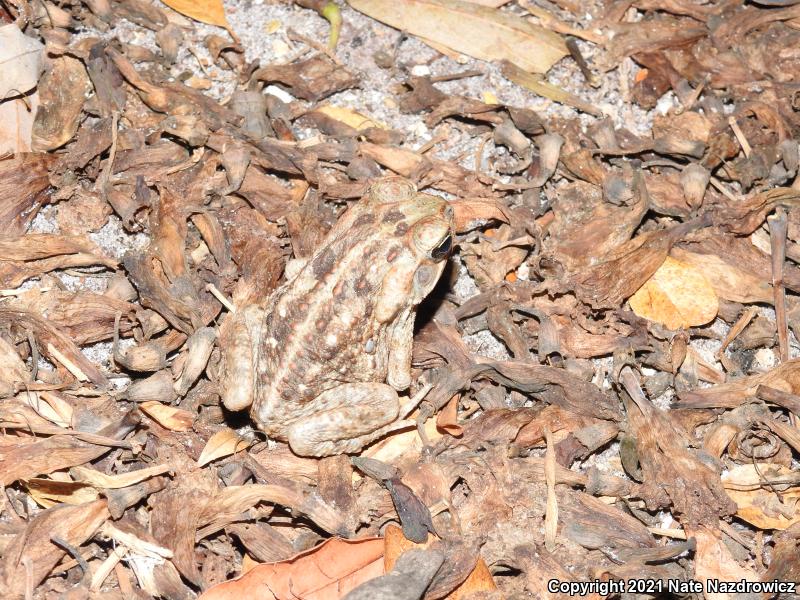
<point x="321" y="361"/>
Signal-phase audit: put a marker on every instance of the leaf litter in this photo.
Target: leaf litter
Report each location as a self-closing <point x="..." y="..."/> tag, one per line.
<point x="612" y="351"/>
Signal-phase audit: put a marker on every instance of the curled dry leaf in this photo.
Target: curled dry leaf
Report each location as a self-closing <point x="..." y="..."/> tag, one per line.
<point x="169" y="417"/>
<point x="62" y="93"/>
<point x="101" y="480"/>
<point x="677" y="295"/>
<point x="52" y="492"/>
<point x="223" y="443"/>
<point x="478" y="580"/>
<point x="349" y="117"/>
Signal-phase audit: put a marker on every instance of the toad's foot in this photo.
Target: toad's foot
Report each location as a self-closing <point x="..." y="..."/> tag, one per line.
<point x="239" y="336"/>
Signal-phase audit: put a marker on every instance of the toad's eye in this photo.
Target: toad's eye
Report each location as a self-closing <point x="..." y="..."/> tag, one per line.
<point x="443" y="249"/>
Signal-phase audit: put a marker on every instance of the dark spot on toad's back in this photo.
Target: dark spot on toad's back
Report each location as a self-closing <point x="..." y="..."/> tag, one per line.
<point x="401" y="228"/>
<point x="393" y="216"/>
<point x="363" y="286"/>
<point x="364" y="219"/>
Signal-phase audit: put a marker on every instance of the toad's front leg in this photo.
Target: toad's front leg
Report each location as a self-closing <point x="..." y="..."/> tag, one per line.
<point x="239" y="338"/>
<point x="350" y="416"/>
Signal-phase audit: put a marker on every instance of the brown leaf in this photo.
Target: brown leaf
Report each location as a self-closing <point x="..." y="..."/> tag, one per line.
<point x="713" y="560"/>
<point x="31" y="255"/>
<point x="20" y="61"/>
<point x="60" y="349"/>
<point x="326" y="572"/>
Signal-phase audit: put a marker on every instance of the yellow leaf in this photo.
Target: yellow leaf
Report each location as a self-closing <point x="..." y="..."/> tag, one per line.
<point x="223" y="443"/>
<point x="205" y="11"/>
<point x="349" y="117"/>
<point x="169" y="417"/>
<point x="677" y="295"/>
<point x="477" y="31"/>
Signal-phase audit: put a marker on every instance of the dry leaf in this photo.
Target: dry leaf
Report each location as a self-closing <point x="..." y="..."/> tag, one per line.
<point x="326" y="572"/>
<point x="20" y="61"/>
<point x="16" y="124"/>
<point x="476" y="31"/>
<point x="95" y="478"/>
<point x="223" y="443"/>
<point x="50" y="492"/>
<point x="205" y="11"/>
<point x="754" y="491"/>
<point x="677" y="295"/>
<point x="169" y="417"/>
<point x="479" y="580"/>
<point x="728" y="281"/>
<point x="349" y="117"/>
<point x="713" y="560"/>
<point x="469" y="211"/>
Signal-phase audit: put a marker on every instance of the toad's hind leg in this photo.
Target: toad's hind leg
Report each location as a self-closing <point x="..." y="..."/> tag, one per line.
<point x="348" y="417"/>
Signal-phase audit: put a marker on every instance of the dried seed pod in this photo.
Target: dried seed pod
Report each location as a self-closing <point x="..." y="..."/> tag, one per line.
<point x="252" y="105"/>
<point x="199" y="345"/>
<point x="121" y="288"/>
<point x="508" y="135"/>
<point x="169" y="39"/>
<point x="603" y="134"/>
<point x="694" y="179"/>
<point x="158" y="387"/>
<point x="549" y="151"/>
<point x="618" y="189"/>
<point x="363" y="167"/>
<point x="675" y="144"/>
<point x="152" y="323"/>
<point x="148" y="356"/>
<point x="121" y="499"/>
<point x="790" y="154"/>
